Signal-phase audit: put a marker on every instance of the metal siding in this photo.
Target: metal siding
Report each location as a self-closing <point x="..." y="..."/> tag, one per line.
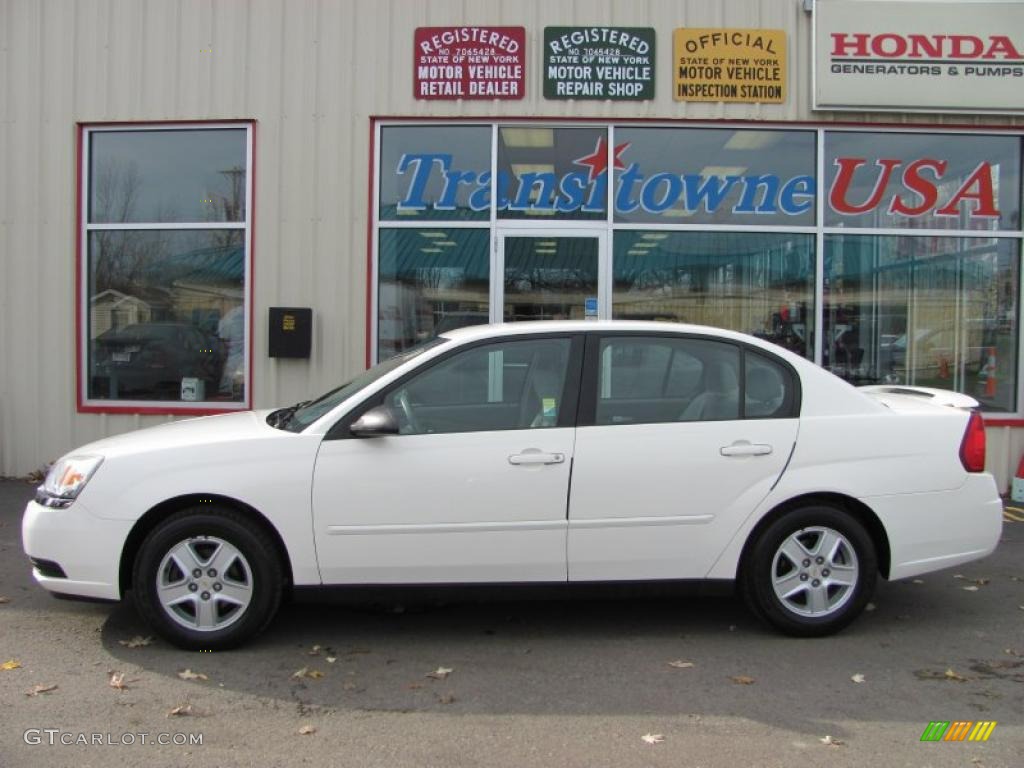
<point x="311" y="73"/>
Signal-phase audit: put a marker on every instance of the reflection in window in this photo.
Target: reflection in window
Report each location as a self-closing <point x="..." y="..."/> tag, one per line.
<point x="757" y="283"/>
<point x="922" y="180"/>
<point x="167" y="175"/>
<point x="935" y="312"/>
<point x="166" y="319"/>
<point x="430" y="281"/>
<point x="549" y="278"/>
<point x="552" y="173"/>
<point x="714" y="176"/>
<point x="435" y="173"/>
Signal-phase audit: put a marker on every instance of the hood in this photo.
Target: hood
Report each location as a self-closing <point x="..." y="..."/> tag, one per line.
<point x="203" y="430"/>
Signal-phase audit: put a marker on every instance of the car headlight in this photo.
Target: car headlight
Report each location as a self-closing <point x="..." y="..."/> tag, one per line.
<point x="66" y="479"/>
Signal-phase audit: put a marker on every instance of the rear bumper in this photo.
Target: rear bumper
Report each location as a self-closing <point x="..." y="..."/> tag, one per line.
<point x="931" y="531"/>
<point x="87" y="549"/>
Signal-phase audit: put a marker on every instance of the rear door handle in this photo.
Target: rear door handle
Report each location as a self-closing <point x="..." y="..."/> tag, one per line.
<point x="536" y="457"/>
<point x="744" y="448"/>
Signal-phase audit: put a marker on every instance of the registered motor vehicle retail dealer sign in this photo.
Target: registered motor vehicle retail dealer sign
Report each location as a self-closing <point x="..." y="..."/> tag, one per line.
<point x="614" y="63"/>
<point x="925" y="56"/>
<point x="469" y="63"/>
<point x="746" y="65"/>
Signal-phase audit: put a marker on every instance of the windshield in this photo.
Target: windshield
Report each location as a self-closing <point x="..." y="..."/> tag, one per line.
<point x="306" y="413"/>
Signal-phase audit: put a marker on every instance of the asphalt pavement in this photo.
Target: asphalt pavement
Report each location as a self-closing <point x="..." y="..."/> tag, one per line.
<point x="512" y="682"/>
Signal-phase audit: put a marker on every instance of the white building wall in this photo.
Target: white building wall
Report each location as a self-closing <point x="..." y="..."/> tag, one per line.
<point x="311" y="73"/>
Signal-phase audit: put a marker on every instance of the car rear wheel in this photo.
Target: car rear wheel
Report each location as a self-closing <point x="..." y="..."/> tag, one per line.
<point x="207" y="579"/>
<point x="811" y="572"/>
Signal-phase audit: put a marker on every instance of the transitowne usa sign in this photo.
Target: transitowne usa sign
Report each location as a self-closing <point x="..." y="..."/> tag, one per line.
<point x="924" y="56"/>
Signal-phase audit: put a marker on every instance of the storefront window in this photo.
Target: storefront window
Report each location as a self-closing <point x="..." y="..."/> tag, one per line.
<point x="436" y="173"/>
<point x="757" y="283"/>
<point x="430" y="281"/>
<point x="552" y="173"/>
<point x="922" y="180"/>
<point x="929" y="311"/>
<point x="714" y="176"/>
<point x="165" y="321"/>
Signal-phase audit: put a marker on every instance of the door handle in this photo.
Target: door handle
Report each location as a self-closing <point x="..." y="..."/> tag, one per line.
<point x="744" y="448"/>
<point x="536" y="457"/>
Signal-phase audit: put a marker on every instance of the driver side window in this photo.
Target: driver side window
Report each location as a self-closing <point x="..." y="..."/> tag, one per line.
<point x="502" y="386"/>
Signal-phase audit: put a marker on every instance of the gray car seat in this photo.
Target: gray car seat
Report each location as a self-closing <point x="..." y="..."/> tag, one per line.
<point x="720" y="398"/>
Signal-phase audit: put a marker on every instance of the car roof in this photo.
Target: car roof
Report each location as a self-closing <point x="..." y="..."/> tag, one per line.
<point x="473" y="332"/>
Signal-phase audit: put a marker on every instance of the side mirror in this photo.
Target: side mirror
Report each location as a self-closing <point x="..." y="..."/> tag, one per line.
<point x="376" y="422"/>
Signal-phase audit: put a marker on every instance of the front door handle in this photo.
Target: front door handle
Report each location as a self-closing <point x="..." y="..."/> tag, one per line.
<point x="536" y="457"/>
<point x="745" y="448"/>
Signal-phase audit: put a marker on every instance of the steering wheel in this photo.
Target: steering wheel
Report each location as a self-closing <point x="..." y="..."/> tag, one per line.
<point x="403" y="402"/>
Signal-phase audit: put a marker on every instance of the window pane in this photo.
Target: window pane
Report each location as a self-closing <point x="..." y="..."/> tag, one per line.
<point x="552" y="173"/>
<point x="166" y="315"/>
<point x="511" y="385"/>
<point x="769" y="388"/>
<point x="660" y="380"/>
<point x="435" y="173"/>
<point x="430" y="281"/>
<point x="167" y="175"/>
<point x="757" y="283"/>
<point x="549" y="278"/>
<point x="935" y="312"/>
<point x="714" y="176"/>
<point x="922" y="181"/>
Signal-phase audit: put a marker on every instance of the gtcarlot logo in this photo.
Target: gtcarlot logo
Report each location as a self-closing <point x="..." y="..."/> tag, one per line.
<point x="55" y="736"/>
<point x="958" y="730"/>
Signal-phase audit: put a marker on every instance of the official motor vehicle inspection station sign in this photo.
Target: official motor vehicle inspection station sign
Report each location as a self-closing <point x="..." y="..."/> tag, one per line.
<point x="614" y="63"/>
<point x="924" y="56"/>
<point x="469" y="63"/>
<point x="729" y="65"/>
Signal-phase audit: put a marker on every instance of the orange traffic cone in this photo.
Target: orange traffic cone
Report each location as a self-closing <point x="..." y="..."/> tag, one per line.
<point x="990" y="373"/>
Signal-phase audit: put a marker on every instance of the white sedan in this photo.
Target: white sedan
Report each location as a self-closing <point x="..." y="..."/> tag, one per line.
<point x="533" y="452"/>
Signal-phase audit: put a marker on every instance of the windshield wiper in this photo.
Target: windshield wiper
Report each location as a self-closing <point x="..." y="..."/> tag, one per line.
<point x="282" y="416"/>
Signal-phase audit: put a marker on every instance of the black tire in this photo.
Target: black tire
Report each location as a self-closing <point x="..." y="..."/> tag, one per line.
<point x="259" y="569"/>
<point x="791" y="617"/>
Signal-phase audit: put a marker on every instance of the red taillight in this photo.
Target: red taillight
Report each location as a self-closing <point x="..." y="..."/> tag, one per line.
<point x="972" y="447"/>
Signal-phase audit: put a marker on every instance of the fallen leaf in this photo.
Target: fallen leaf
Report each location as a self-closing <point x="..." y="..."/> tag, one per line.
<point x="1011" y="652"/>
<point x="313" y="674"/>
<point x="652" y="738"/>
<point x="446" y="698"/>
<point x="440" y="673"/>
<point x="742" y="680"/>
<point x="858" y="678"/>
<point x="870" y="607"/>
<point x="971" y="588"/>
<point x="918" y="581"/>
<point x="828" y="741"/>
<point x="35" y="690"/>
<point x="182" y="710"/>
<point x="188" y="674"/>
<point x="949" y="674"/>
<point x="7" y="666"/>
<point x="1016" y="578"/>
<point x="306" y="730"/>
<point x="331" y="659"/>
<point x="4" y="600"/>
<point x="981" y="582"/>
<point x="315" y="650"/>
<point x="137" y="642"/>
<point x="679" y="664"/>
<point x="959" y="576"/>
<point x="414" y="686"/>
<point x="118" y="681"/>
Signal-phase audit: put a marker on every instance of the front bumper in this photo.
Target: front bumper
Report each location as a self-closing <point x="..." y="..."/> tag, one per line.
<point x="86" y="547"/>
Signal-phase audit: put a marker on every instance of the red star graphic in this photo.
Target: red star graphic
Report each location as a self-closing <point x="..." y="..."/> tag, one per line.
<point x="597" y="160"/>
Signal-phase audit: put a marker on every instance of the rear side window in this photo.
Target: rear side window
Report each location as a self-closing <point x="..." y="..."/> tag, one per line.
<point x="661" y="379"/>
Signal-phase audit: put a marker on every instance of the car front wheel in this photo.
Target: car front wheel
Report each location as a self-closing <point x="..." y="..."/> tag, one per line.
<point x="811" y="572"/>
<point x="207" y="579"/>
